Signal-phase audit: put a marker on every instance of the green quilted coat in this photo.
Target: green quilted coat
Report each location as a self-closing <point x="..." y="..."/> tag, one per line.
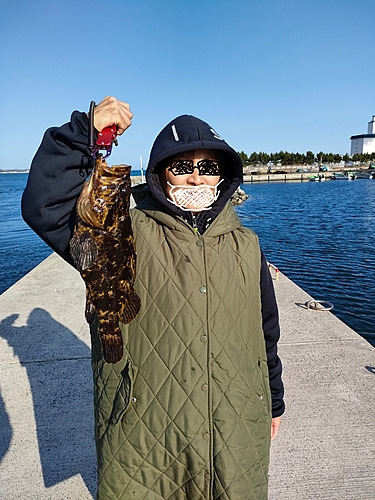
<point x="186" y="414"/>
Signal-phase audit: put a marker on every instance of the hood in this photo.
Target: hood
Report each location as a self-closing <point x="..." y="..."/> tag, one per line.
<point x="186" y="133"/>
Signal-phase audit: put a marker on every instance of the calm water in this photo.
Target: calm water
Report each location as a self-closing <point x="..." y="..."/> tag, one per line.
<point x="321" y="235"/>
<point x="20" y="249"/>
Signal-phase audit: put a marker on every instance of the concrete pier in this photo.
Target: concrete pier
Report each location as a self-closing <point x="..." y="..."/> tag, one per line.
<point x="326" y="445"/>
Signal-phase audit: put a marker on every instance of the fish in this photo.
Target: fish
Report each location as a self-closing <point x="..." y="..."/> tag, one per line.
<point x="103" y="251"/>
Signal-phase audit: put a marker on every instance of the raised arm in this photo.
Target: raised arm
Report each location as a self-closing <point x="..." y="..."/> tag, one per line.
<point x="59" y="169"/>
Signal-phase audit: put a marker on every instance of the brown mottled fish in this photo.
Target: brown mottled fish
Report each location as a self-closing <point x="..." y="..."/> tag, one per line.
<point x="103" y="250"/>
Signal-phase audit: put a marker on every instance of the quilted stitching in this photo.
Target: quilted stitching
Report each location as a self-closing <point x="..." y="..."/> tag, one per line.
<point x="157" y="450"/>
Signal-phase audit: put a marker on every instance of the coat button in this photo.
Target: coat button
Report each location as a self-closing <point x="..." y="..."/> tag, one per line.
<point x="199" y="243"/>
<point x="204" y="387"/>
<point x="207" y="476"/>
<point x="203" y="289"/>
<point x="203" y="338"/>
<point x="206" y="436"/>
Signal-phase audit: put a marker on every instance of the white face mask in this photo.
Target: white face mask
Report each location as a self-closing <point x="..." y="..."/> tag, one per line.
<point x="197" y="198"/>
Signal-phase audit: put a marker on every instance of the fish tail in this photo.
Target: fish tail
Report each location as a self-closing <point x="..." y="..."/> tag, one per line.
<point x="112" y="346"/>
<point x="130" y="308"/>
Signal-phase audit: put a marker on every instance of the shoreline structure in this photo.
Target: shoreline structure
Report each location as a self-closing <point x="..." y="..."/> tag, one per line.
<point x="326" y="444"/>
<point x="261" y="170"/>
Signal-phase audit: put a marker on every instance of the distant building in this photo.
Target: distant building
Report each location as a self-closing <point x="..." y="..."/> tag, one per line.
<point x="364" y="143"/>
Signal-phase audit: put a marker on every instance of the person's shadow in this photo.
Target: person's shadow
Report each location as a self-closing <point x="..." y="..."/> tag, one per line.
<point x="5" y="430"/>
<point x="60" y="377"/>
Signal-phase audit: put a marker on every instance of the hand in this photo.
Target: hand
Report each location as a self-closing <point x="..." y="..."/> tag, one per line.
<point x="275" y="427"/>
<point x="111" y="111"/>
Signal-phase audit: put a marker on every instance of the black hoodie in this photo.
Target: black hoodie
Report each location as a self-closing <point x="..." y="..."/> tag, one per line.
<point x="186" y="133"/>
<point x="62" y="164"/>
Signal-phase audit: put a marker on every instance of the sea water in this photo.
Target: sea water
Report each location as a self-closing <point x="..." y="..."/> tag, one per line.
<point x="20" y="248"/>
<point x="321" y="235"/>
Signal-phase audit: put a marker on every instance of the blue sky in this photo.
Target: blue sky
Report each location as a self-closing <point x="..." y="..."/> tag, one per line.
<point x="268" y="75"/>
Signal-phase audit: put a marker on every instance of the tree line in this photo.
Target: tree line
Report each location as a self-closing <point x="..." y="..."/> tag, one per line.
<point x="308" y="158"/>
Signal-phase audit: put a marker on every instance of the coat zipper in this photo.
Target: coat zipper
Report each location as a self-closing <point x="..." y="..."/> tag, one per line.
<point x="194" y="225"/>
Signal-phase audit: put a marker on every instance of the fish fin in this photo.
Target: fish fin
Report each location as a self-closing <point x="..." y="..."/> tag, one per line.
<point x="112" y="346"/>
<point x="83" y="250"/>
<point x="90" y="312"/>
<point x="130" y="307"/>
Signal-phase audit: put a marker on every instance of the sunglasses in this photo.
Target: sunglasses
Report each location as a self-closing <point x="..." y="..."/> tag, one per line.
<point x="205" y="167"/>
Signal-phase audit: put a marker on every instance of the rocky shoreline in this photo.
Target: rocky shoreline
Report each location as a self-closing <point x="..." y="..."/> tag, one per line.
<point x="238" y="197"/>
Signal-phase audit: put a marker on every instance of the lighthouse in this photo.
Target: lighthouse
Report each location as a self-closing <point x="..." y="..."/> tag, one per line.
<point x="364" y="143"/>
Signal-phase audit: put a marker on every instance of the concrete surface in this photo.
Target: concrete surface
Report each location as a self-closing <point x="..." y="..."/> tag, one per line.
<point x="46" y="419"/>
<point x="326" y="445"/>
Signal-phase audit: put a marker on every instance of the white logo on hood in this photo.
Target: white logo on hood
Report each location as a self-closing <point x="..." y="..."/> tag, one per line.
<point x="174" y="131"/>
<point x="216" y="135"/>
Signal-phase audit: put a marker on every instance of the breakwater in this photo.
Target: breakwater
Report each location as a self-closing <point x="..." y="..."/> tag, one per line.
<point x="301" y="176"/>
<point x="325" y="447"/>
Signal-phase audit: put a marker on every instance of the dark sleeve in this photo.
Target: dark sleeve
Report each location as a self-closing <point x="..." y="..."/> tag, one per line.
<point x="271" y="329"/>
<point x="58" y="171"/>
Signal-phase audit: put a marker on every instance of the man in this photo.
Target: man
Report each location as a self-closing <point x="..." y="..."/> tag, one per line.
<point x="189" y="411"/>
